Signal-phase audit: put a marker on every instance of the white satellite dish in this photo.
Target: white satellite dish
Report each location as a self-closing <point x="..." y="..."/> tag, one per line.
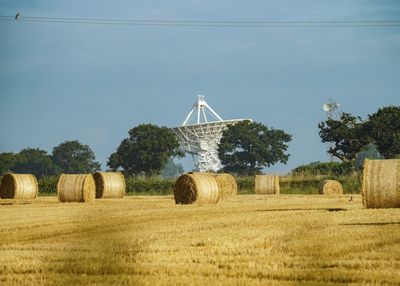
<point x="201" y="138"/>
<point x="326" y="107"/>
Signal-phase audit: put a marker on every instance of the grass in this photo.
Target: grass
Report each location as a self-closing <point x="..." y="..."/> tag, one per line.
<point x="47" y="194"/>
<point x="245" y="240"/>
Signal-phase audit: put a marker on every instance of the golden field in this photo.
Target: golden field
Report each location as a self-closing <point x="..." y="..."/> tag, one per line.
<point x="244" y="240"/>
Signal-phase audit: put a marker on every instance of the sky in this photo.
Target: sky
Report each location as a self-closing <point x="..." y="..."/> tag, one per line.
<point x="93" y="83"/>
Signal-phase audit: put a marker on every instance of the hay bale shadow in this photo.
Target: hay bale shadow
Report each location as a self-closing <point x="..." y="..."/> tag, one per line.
<point x="372" y="223"/>
<point x="300" y="209"/>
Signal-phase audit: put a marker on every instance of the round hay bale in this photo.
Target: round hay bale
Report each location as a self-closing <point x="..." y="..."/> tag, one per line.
<point x="381" y="183"/>
<point x="18" y="186"/>
<point x="76" y="188"/>
<point x="226" y="185"/>
<point x="267" y="185"/>
<point x="200" y="188"/>
<point x="330" y="187"/>
<point x="109" y="184"/>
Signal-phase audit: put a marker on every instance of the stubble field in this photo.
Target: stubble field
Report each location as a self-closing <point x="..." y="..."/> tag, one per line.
<point x="245" y="240"/>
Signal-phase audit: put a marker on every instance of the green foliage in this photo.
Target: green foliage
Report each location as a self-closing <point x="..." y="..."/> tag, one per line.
<point x="7" y="161"/>
<point x="172" y="169"/>
<point x="297" y="185"/>
<point x="149" y="186"/>
<point x="48" y="184"/>
<point x="300" y="184"/>
<point x="293" y="184"/>
<point x="73" y="157"/>
<point x="351" y="183"/>
<point x="384" y="128"/>
<point x="34" y="161"/>
<point x="323" y="168"/>
<point x="245" y="184"/>
<point x="146" y="151"/>
<point x="369" y="151"/>
<point x="348" y="135"/>
<point x="247" y="147"/>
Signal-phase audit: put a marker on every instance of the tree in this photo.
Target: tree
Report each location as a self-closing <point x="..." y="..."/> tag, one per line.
<point x="384" y="128"/>
<point x="172" y="169"/>
<point x="347" y="134"/>
<point x="7" y="162"/>
<point x="34" y="161"/>
<point x="369" y="151"/>
<point x="73" y="157"/>
<point x="114" y="162"/>
<point x="146" y="151"/>
<point x="247" y="147"/>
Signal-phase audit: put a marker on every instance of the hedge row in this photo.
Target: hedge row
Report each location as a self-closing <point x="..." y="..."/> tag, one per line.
<point x="149" y="186"/>
<point x="159" y="186"/>
<point x="143" y="186"/>
<point x="287" y="186"/>
<point x="48" y="184"/>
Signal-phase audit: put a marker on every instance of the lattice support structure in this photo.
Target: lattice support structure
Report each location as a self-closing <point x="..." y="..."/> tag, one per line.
<point x="201" y="139"/>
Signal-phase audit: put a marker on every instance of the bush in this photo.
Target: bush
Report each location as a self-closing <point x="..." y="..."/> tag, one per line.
<point x="324" y="168"/>
<point x="245" y="185"/>
<point x="149" y="186"/>
<point x="48" y="184"/>
<point x="300" y="185"/>
<point x="351" y="183"/>
<point x="303" y="184"/>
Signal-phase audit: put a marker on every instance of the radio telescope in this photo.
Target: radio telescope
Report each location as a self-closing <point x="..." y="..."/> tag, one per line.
<point x="201" y="138"/>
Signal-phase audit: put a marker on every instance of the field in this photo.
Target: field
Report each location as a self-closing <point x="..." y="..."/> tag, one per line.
<point x="245" y="240"/>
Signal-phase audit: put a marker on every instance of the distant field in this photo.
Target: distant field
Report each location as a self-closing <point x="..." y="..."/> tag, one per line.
<point x="245" y="240"/>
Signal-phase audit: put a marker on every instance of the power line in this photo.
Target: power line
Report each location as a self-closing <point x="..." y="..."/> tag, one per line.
<point x="202" y="23"/>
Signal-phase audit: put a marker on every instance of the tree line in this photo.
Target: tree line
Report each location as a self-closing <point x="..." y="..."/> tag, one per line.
<point x="245" y="148"/>
<point x="68" y="157"/>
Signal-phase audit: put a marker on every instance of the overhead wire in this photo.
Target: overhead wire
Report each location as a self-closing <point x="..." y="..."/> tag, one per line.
<point x="203" y="23"/>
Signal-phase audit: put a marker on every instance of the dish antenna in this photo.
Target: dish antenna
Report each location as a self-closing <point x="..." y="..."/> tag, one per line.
<point x="331" y="108"/>
<point x="201" y="138"/>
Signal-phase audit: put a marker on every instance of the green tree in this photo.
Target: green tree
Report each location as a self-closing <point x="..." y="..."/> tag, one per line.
<point x="384" y="128"/>
<point x="7" y="161"/>
<point x="34" y="161"/>
<point x="172" y="169"/>
<point x="146" y="151"/>
<point x="247" y="147"/>
<point x="74" y="157"/>
<point x="347" y="135"/>
<point x="114" y="162"/>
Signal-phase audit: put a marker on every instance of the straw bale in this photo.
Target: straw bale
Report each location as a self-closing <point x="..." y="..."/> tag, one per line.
<point x="199" y="188"/>
<point x="330" y="187"/>
<point x="226" y="184"/>
<point x="267" y="184"/>
<point x="76" y="188"/>
<point x="381" y="183"/>
<point x="18" y="186"/>
<point x="109" y="184"/>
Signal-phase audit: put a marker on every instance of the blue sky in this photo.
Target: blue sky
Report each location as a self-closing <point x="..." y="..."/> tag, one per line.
<point x="94" y="82"/>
